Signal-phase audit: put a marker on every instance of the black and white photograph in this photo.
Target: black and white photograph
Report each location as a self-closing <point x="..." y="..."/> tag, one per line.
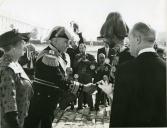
<point x="83" y="63"/>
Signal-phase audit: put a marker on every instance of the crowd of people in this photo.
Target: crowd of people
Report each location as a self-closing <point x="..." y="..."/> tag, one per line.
<point x="131" y="78"/>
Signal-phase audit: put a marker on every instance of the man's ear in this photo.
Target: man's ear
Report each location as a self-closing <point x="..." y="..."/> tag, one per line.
<point x="138" y="39"/>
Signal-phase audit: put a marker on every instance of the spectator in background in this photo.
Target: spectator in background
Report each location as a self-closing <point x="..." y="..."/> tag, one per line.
<point x="102" y="70"/>
<point x="27" y="61"/>
<point x="72" y="51"/>
<point x="107" y="51"/>
<point x="15" y="86"/>
<point x="79" y="33"/>
<point x="73" y="48"/>
<point x="76" y="30"/>
<point x="85" y="69"/>
<point x="161" y="52"/>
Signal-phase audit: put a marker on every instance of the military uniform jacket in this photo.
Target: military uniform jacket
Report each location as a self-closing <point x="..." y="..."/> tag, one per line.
<point x="50" y="75"/>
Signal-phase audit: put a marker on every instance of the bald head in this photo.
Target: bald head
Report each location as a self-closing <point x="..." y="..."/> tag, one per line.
<point x="141" y="36"/>
<point x="143" y="30"/>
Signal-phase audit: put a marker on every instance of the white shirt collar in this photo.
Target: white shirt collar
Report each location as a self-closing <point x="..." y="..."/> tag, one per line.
<point x="146" y="50"/>
<point x="18" y="69"/>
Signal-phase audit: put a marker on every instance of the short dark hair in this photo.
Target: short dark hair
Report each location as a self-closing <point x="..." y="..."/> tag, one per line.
<point x="83" y="44"/>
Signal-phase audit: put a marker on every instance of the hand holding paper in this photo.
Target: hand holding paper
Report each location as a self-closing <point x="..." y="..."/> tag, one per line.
<point x="106" y="87"/>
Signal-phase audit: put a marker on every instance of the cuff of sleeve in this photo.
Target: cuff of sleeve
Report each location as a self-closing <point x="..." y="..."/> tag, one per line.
<point x="76" y="87"/>
<point x="80" y="89"/>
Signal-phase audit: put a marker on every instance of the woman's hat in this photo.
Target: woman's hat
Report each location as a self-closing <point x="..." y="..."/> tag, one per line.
<point x="10" y="38"/>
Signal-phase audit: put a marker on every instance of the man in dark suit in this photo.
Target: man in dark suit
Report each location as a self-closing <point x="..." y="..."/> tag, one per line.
<point x="140" y="86"/>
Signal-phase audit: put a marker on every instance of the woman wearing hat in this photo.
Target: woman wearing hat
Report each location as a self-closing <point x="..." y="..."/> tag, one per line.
<point x="113" y="33"/>
<point x="15" y="86"/>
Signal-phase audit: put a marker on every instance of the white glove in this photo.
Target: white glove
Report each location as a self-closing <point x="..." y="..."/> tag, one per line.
<point x="106" y="87"/>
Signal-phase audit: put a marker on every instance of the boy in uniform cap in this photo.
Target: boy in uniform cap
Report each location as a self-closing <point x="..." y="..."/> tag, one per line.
<point x="50" y="80"/>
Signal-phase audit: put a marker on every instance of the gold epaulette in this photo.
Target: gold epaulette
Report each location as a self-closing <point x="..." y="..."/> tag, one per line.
<point x="50" y="60"/>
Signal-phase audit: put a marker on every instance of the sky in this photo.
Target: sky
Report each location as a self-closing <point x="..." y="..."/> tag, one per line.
<point x="88" y="14"/>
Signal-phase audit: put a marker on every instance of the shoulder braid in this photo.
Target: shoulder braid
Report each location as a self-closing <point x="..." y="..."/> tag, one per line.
<point x="50" y="60"/>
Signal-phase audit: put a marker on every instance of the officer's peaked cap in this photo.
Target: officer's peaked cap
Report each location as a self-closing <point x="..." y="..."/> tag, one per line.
<point x="60" y="32"/>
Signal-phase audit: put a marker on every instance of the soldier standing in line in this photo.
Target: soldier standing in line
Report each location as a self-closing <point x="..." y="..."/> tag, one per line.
<point x="50" y="80"/>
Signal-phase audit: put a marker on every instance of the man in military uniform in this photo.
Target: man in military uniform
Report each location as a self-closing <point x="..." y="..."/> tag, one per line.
<point x="50" y="80"/>
<point x="102" y="73"/>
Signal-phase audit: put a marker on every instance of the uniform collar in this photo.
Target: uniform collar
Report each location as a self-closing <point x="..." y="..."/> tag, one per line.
<point x="146" y="50"/>
<point x="56" y="51"/>
<point x="8" y="61"/>
<point x="18" y="70"/>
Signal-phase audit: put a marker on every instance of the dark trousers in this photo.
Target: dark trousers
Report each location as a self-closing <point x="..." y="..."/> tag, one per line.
<point x="85" y="98"/>
<point x="66" y="99"/>
<point x="85" y="78"/>
<point x="101" y="99"/>
<point x="41" y="111"/>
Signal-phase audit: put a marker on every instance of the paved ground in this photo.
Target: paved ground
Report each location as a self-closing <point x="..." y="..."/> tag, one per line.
<point x="83" y="118"/>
